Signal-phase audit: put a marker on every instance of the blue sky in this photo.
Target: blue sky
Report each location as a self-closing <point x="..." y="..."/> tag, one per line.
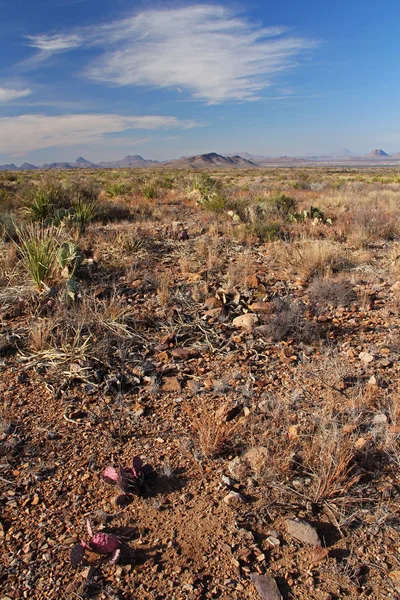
<point x="164" y="79"/>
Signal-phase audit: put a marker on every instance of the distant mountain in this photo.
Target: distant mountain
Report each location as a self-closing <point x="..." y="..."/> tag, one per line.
<point x="28" y="167"/>
<point x="378" y="154"/>
<point x="57" y="165"/>
<point x="10" y="167"/>
<point x="210" y="160"/>
<point x="82" y="163"/>
<point x="129" y="162"/>
<point x="342" y="152"/>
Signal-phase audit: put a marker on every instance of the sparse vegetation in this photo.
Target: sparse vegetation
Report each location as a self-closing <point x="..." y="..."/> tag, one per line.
<point x="119" y="292"/>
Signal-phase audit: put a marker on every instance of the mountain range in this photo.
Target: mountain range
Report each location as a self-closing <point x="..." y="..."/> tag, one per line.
<point x="212" y="160"/>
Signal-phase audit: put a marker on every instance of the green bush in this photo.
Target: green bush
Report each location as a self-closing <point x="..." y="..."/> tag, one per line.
<point x="37" y="248"/>
<point x="267" y="232"/>
<point x="284" y="204"/>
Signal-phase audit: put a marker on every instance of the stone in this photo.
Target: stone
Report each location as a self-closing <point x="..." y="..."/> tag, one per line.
<point x="372" y="380"/>
<point x="366" y="357"/>
<point x="273" y="541"/>
<point x="257" y="458"/>
<point x="171" y="384"/>
<point x="303" y="532"/>
<point x="262" y="307"/>
<point x="379" y="420"/>
<point x="396" y="287"/>
<point x="234" y="499"/>
<point x="266" y="587"/>
<point x="246" y="321"/>
<point x="236" y="468"/>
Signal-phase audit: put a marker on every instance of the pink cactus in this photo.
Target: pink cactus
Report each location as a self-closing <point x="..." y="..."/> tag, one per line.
<point x="101" y="543"/>
<point x="127" y="478"/>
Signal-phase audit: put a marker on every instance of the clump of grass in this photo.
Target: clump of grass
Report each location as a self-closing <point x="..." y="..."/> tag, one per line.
<point x="38" y="247"/>
<point x="311" y="258"/>
<point x="40" y="203"/>
<point x="214" y="434"/>
<point x="115" y="189"/>
<point x="149" y="190"/>
<point x="289" y="321"/>
<point x="85" y="212"/>
<point x="333" y="292"/>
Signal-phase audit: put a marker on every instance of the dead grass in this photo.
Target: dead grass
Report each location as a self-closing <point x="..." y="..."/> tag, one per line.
<point x="214" y="434"/>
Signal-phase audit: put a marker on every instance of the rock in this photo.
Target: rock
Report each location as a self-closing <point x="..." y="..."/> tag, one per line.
<point x="395" y="578"/>
<point x="234" y="499"/>
<point x="303" y="531"/>
<point x="273" y="541"/>
<point x="183" y="353"/>
<point x="227" y="481"/>
<point x="236" y="468"/>
<point x="257" y="458"/>
<point x="372" y="380"/>
<point x="246" y="321"/>
<point x="253" y="281"/>
<point x="366" y="357"/>
<point x="384" y="363"/>
<point x="263" y="331"/>
<point x="266" y="587"/>
<point x="121" y="500"/>
<point x="171" y="384"/>
<point x="212" y="302"/>
<point x="265" y="308"/>
<point x="379" y="419"/>
<point x="360" y="443"/>
<point x="396" y="287"/>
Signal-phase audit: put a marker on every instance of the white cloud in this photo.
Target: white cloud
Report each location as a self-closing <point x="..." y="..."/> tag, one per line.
<point x="24" y="133"/>
<point x="54" y="43"/>
<point x="206" y="49"/>
<point x="8" y="94"/>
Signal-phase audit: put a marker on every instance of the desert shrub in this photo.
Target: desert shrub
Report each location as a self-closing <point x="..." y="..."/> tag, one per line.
<point x="215" y="202"/>
<point x="37" y="248"/>
<point x="116" y="189"/>
<point x="332" y="292"/>
<point x="309" y="258"/>
<point x="7" y="226"/>
<point x="41" y="203"/>
<point x="109" y="212"/>
<point x="369" y="224"/>
<point x="149" y="190"/>
<point x="85" y="210"/>
<point x="289" y="321"/>
<point x="267" y="232"/>
<point x="285" y="205"/>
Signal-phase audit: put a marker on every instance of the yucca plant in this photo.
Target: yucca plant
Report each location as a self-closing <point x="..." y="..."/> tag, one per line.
<point x="115" y="189"/>
<point x="41" y="202"/>
<point x="149" y="190"/>
<point x="38" y="247"/>
<point x="85" y="212"/>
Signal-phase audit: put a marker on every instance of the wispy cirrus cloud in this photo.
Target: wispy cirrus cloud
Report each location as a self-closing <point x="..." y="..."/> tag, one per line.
<point x="8" y="94"/>
<point x="24" y="133"/>
<point x="54" y="43"/>
<point x="206" y="49"/>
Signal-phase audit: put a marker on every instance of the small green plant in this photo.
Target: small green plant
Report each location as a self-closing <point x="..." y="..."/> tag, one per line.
<point x="149" y="190"/>
<point x="41" y="202"/>
<point x="38" y="247"/>
<point x="215" y="202"/>
<point x="267" y="232"/>
<point x="115" y="189"/>
<point x="85" y="210"/>
<point x="284" y="204"/>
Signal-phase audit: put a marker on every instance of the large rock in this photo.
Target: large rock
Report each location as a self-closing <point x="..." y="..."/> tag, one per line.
<point x="246" y="321"/>
<point x="303" y="531"/>
<point x="266" y="587"/>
